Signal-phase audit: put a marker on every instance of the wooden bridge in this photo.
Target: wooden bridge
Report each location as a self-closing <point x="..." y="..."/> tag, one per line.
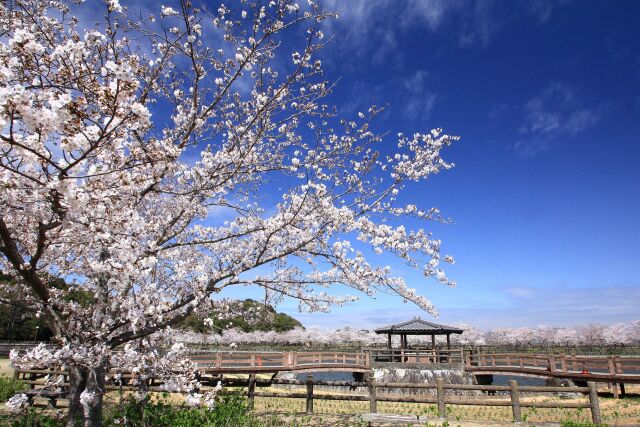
<point x="615" y="370"/>
<point x="240" y="362"/>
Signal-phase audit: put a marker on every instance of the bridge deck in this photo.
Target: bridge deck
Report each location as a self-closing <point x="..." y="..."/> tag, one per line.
<point x="612" y="369"/>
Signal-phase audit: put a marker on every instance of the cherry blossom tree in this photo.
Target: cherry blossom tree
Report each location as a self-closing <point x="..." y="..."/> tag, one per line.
<point x="153" y="161"/>
<point x="627" y="333"/>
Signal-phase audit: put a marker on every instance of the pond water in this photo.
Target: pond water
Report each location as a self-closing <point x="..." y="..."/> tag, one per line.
<point x="497" y="379"/>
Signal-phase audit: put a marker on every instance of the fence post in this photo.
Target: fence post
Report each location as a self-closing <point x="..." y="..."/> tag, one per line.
<point x="515" y="401"/>
<point x="251" y="389"/>
<point x="373" y="391"/>
<point x="612" y="373"/>
<point x="442" y="409"/>
<point x="612" y="367"/>
<point x="552" y="363"/>
<point x="309" y="394"/>
<point x="594" y="404"/>
<point x="563" y="363"/>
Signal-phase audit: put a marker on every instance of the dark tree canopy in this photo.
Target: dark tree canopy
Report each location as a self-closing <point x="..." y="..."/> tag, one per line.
<point x="248" y="316"/>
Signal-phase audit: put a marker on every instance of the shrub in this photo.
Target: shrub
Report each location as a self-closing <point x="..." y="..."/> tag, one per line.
<point x="580" y="424"/>
<point x="9" y="387"/>
<point x="230" y="410"/>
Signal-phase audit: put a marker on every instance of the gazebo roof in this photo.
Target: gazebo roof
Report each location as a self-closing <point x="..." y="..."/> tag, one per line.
<point x="417" y="326"/>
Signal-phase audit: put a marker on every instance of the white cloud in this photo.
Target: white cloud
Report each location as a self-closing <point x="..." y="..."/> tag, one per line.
<point x="543" y="9"/>
<point x="365" y="27"/>
<point x="552" y="115"/>
<point x="553" y="305"/>
<point x="480" y="23"/>
<point x="419" y="100"/>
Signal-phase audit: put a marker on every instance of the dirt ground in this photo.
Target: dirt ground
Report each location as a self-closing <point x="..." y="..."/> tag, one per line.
<point x="5" y="369"/>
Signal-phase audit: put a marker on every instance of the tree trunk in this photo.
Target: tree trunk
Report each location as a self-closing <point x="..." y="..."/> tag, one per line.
<point x="86" y="390"/>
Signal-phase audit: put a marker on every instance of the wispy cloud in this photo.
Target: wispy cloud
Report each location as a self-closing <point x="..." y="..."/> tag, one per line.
<point x="421" y="98"/>
<point x="555" y="113"/>
<point x="479" y="23"/>
<point x="364" y="24"/>
<point x="543" y="9"/>
<point x="554" y="305"/>
<point x="413" y="95"/>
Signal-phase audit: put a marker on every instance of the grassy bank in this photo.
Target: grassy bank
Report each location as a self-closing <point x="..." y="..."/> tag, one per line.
<point x="614" y="411"/>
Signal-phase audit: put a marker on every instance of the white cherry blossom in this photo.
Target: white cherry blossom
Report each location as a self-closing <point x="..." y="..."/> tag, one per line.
<point x="119" y="140"/>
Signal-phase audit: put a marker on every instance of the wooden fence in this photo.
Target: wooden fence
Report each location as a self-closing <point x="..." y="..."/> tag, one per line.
<point x="6" y="347"/>
<point x="441" y="398"/>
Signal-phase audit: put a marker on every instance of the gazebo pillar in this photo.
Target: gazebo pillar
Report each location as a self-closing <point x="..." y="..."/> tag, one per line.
<point x="389" y="340"/>
<point x="433" y="342"/>
<point x="448" y="341"/>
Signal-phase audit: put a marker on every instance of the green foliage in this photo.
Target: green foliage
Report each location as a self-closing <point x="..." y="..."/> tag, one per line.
<point x="264" y="318"/>
<point x="569" y="423"/>
<point x="19" y="324"/>
<point x="9" y="387"/>
<point x="31" y="418"/>
<point x="230" y="410"/>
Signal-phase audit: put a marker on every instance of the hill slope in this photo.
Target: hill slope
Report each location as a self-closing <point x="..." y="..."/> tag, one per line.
<point x="247" y="316"/>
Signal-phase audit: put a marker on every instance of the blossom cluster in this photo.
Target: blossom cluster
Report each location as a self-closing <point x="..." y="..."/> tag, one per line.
<point x="120" y="143"/>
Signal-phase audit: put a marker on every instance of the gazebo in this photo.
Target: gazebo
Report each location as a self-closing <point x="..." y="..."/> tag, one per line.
<point x="417" y="326"/>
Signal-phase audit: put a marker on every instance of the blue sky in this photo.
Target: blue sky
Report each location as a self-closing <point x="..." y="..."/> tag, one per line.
<point x="545" y="195"/>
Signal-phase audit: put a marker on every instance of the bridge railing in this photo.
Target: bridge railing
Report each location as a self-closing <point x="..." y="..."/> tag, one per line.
<point x="611" y="366"/>
<point x="417" y="356"/>
<point x="279" y="360"/>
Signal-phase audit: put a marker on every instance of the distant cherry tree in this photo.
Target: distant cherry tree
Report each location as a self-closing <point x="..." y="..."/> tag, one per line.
<point x="153" y="161"/>
<point x="627" y="333"/>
